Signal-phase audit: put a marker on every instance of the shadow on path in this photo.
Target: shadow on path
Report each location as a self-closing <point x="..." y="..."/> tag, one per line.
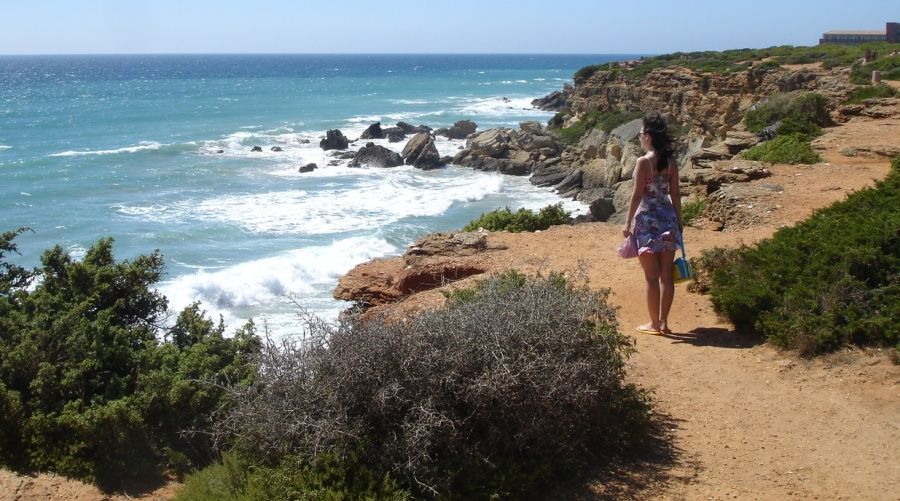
<point x="652" y="466"/>
<point x="715" y="336"/>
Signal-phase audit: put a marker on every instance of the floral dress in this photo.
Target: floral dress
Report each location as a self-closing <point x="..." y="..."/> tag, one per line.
<point x="655" y="223"/>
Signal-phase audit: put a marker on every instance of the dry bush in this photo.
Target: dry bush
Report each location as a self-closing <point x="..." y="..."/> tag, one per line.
<point x="515" y="382"/>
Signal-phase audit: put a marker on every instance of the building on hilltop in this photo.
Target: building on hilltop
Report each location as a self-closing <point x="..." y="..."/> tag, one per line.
<point x="891" y="34"/>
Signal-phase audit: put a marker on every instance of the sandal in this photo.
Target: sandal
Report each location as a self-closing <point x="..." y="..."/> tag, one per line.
<point x="667" y="331"/>
<point x="649" y="330"/>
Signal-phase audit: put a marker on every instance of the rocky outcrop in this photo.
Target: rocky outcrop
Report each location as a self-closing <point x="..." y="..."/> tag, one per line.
<point x="431" y="262"/>
<point x="308" y="168"/>
<point x="554" y="101"/>
<point x="420" y="152"/>
<point x="459" y="130"/>
<point x="510" y="151"/>
<point x="256" y="149"/>
<point x="373" y="132"/>
<point x="372" y="155"/>
<point x="334" y="140"/>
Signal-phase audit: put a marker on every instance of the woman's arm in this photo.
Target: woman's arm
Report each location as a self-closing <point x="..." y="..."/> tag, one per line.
<point x="641" y="171"/>
<point x="674" y="191"/>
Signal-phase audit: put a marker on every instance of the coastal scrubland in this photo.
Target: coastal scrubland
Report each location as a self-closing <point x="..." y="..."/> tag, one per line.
<point x="513" y="385"/>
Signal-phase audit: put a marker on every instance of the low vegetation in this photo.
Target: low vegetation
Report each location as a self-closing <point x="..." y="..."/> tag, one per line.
<point x="831" y="280"/>
<point x="692" y="209"/>
<point x="889" y="66"/>
<point x="87" y="387"/>
<point x="795" y="121"/>
<point x="790" y="149"/>
<point x="515" y="384"/>
<point x="864" y="92"/>
<point x="521" y="220"/>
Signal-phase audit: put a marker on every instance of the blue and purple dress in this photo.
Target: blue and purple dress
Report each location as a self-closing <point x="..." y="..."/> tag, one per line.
<point x="655" y="223"/>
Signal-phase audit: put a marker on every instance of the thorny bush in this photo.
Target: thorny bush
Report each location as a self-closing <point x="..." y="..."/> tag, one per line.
<point x="511" y="384"/>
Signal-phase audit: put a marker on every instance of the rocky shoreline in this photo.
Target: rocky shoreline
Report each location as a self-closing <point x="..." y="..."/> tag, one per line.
<point x="708" y="109"/>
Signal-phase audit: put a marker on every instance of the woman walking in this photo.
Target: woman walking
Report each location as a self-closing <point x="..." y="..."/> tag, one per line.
<point x="655" y="210"/>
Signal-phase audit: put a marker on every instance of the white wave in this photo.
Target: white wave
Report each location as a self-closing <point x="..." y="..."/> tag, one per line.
<point x="364" y="119"/>
<point x="501" y="106"/>
<point x="4" y="147"/>
<point x="142" y="146"/>
<point x="272" y="281"/>
<point x="408" y="101"/>
<point x="393" y="195"/>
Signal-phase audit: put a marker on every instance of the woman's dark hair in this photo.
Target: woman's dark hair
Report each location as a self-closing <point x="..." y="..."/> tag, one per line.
<point x="655" y="125"/>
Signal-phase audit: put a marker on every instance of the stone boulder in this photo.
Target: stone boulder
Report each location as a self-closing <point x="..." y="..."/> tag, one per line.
<point x="459" y="130"/>
<point x="549" y="175"/>
<point x="394" y="134"/>
<point x="532" y="127"/>
<point x="373" y="132"/>
<point x="554" y="101"/>
<point x="334" y="140"/>
<point x="628" y="130"/>
<point x="492" y="142"/>
<point x="372" y="155"/>
<point x="602" y="209"/>
<point x="421" y="152"/>
<point x="256" y="149"/>
<point x="276" y="149"/>
<point x="412" y="129"/>
<point x="308" y="168"/>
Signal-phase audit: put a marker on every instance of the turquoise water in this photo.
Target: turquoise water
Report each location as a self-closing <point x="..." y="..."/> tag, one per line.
<point x="154" y="151"/>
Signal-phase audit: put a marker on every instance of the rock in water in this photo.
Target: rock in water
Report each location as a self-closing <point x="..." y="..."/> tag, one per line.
<point x="334" y="140"/>
<point x="421" y="152"/>
<point x="308" y="168"/>
<point x="376" y="156"/>
<point x="373" y="132"/>
<point x="459" y="130"/>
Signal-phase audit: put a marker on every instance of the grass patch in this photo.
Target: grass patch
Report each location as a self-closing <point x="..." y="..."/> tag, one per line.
<point x="860" y="94"/>
<point x="829" y="281"/>
<point x="791" y="149"/>
<point x="521" y="220"/>
<point x="692" y="210"/>
<point x="889" y="66"/>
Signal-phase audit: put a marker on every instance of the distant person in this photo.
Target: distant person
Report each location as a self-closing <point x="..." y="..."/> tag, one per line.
<point x="655" y="210"/>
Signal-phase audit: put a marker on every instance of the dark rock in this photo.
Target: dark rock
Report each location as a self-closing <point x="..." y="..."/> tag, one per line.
<point x="334" y="140"/>
<point x="446" y="159"/>
<point x="459" y="130"/>
<point x="257" y="149"/>
<point x="412" y="129"/>
<point x="583" y="218"/>
<point x="738" y="141"/>
<point x="554" y="101"/>
<point x="334" y="163"/>
<point x="276" y="148"/>
<point x="602" y="209"/>
<point x="308" y="168"/>
<point x="376" y="156"/>
<point x="344" y="155"/>
<point x="373" y="132"/>
<point x="550" y="175"/>
<point x="570" y="182"/>
<point x="303" y="141"/>
<point x="220" y="151"/>
<point x="394" y="134"/>
<point x="421" y="152"/>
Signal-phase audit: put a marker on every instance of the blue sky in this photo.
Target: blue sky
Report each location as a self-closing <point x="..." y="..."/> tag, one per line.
<point x="391" y="26"/>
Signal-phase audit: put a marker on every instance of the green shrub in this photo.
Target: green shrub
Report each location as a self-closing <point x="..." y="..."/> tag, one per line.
<point x="804" y="113"/>
<point x="828" y="281"/>
<point x="521" y="220"/>
<point x="860" y="94"/>
<point x="329" y="478"/>
<point x="87" y="388"/>
<point x="790" y="149"/>
<point x="692" y="210"/>
<point x="519" y="384"/>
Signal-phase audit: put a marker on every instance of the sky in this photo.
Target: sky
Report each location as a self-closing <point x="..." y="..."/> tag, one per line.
<point x="423" y="26"/>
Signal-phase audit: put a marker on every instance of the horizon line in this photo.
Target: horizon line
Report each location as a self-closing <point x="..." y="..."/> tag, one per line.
<point x="49" y="54"/>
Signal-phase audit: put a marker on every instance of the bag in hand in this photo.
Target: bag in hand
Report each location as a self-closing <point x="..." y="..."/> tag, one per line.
<point x="681" y="268"/>
<point x="628" y="248"/>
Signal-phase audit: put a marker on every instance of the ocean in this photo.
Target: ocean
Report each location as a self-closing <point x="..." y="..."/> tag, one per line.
<point x="155" y="152"/>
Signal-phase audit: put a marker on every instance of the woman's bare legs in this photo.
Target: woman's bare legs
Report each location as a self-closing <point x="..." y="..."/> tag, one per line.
<point x="650" y="264"/>
<point x="664" y="264"/>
